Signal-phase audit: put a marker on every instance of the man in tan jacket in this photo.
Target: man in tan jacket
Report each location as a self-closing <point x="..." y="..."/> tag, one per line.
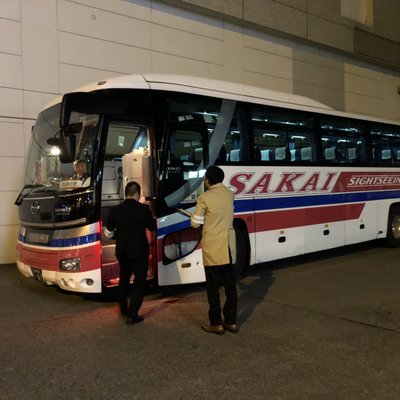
<point x="214" y="210"/>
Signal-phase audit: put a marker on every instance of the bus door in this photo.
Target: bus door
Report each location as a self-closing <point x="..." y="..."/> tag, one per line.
<point x="127" y="158"/>
<point x="181" y="181"/>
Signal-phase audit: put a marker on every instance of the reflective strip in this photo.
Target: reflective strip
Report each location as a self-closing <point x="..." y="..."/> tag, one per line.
<point x="197" y="219"/>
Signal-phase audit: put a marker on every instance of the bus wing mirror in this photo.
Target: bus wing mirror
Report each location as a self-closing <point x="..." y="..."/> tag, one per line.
<point x="73" y="129"/>
<point x="79" y="102"/>
<point x="67" y="148"/>
<point x="53" y="141"/>
<point x="65" y="112"/>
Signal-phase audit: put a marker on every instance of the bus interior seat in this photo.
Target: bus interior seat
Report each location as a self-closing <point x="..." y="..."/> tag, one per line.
<point x="352" y="153"/>
<point x="266" y="155"/>
<point x="305" y="154"/>
<point x="330" y="154"/>
<point x="386" y="154"/>
<point x="397" y="154"/>
<point x="281" y="154"/>
<point x="234" y="155"/>
<point x="198" y="155"/>
<point x="293" y="155"/>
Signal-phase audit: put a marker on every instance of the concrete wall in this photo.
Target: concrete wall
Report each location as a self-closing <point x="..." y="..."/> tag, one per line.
<point x="367" y="29"/>
<point x="48" y="47"/>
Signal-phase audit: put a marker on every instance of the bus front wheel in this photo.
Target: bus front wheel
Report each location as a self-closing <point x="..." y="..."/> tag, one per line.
<point x="393" y="230"/>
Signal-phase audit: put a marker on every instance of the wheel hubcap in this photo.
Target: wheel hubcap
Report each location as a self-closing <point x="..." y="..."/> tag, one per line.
<point x="396" y="226"/>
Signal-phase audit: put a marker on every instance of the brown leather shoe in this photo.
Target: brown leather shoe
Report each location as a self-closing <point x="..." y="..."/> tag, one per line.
<point x="231" y="328"/>
<point x="217" y="329"/>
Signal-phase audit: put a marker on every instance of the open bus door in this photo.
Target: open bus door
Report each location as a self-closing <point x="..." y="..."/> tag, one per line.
<point x="127" y="158"/>
<point x="183" y="166"/>
<point x="137" y="166"/>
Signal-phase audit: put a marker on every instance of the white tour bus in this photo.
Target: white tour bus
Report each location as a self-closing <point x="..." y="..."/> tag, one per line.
<point x="305" y="177"/>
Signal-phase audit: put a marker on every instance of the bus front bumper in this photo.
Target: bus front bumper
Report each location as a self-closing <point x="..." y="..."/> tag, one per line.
<point x="85" y="282"/>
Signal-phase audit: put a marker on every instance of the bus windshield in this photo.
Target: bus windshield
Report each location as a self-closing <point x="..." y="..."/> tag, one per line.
<point x="45" y="165"/>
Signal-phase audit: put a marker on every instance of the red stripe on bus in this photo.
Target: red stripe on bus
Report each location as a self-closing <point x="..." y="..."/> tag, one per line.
<point x="49" y="260"/>
<point x="272" y="220"/>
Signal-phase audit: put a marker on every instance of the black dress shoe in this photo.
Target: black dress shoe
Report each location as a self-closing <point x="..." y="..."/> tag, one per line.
<point x="217" y="329"/>
<point x="134" y="320"/>
<point x="233" y="328"/>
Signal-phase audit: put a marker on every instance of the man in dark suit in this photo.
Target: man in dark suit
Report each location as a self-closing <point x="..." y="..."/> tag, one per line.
<point x="127" y="224"/>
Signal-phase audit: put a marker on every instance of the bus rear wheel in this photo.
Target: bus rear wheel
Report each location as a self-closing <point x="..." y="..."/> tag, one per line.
<point x="393" y="230"/>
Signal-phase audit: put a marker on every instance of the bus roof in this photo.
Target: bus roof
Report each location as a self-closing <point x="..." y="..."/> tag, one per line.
<point x="205" y="86"/>
<point x="217" y="88"/>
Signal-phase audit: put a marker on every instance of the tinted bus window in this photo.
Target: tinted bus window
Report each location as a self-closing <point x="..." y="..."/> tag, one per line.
<point x="236" y="140"/>
<point x="343" y="140"/>
<point x="385" y="144"/>
<point x="282" y="135"/>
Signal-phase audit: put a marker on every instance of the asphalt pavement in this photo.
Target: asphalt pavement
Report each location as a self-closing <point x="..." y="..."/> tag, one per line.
<point x="323" y="326"/>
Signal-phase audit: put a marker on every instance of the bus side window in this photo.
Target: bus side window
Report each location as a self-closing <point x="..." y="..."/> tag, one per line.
<point x="282" y="154"/>
<point x="305" y="154"/>
<point x="344" y="140"/>
<point x="381" y="155"/>
<point x="352" y="154"/>
<point x="222" y="156"/>
<point x="266" y="155"/>
<point x="386" y="154"/>
<point x="330" y="154"/>
<point x="236" y="140"/>
<point x="385" y="144"/>
<point x="234" y="155"/>
<point x="281" y="134"/>
<point x="257" y="154"/>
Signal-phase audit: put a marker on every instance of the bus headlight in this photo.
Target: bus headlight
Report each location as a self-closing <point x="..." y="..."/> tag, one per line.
<point x="70" y="264"/>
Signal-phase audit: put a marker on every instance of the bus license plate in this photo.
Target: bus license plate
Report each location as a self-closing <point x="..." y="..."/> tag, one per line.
<point x="37" y="237"/>
<point x="37" y="274"/>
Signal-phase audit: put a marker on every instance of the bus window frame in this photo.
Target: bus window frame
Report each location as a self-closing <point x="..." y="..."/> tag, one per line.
<point x="194" y="126"/>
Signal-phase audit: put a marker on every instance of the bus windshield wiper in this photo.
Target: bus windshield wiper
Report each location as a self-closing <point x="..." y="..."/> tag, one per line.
<point x="27" y="189"/>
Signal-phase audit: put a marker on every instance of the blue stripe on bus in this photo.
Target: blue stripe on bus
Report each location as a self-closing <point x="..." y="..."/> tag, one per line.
<point x="67" y="242"/>
<point x="293" y="201"/>
<point x="87" y="239"/>
<point x="313" y="200"/>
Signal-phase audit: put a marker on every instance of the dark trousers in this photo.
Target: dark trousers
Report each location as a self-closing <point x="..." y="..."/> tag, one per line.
<point x="217" y="276"/>
<point x="139" y="267"/>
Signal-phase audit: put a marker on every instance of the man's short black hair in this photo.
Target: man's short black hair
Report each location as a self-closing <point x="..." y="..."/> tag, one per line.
<point x="214" y="175"/>
<point x="131" y="189"/>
